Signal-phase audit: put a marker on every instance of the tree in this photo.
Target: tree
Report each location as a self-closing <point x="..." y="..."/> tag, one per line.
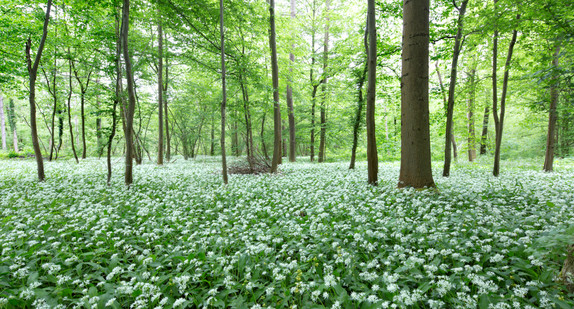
<point x="552" y="116"/>
<point x="470" y="116"/>
<point x="372" y="156"/>
<point x="129" y="112"/>
<point x="360" y="101"/>
<point x="292" y="142"/>
<point x="499" y="119"/>
<point x="323" y="134"/>
<point x="415" y="133"/>
<point x="12" y="123"/>
<point x="33" y="73"/>
<point x="453" y="72"/>
<point x="160" y="91"/>
<point x="224" y="93"/>
<point x="2" y="122"/>
<point x="275" y="78"/>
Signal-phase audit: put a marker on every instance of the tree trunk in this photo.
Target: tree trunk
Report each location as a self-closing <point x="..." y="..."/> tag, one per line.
<point x="247" y="116"/>
<point x="12" y="123"/>
<point x="372" y="155"/>
<point x="33" y="73"/>
<point x="263" y="137"/>
<point x="224" y="92"/>
<point x="315" y="86"/>
<point x="2" y="123"/>
<point x="471" y="133"/>
<point x="118" y="94"/>
<point x="499" y="120"/>
<point x="449" y="137"/>
<point x="212" y="148"/>
<point x="323" y="135"/>
<point x="167" y="135"/>
<point x="99" y="125"/>
<point x="552" y="117"/>
<point x="484" y="135"/>
<point x="83" y="90"/>
<point x="70" y="108"/>
<point x="129" y="134"/>
<point x="275" y="79"/>
<point x="292" y="142"/>
<point x="359" y="114"/>
<point x="415" y="133"/>
<point x="160" y="92"/>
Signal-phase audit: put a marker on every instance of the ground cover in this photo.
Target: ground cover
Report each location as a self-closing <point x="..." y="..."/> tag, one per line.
<point x="314" y="236"/>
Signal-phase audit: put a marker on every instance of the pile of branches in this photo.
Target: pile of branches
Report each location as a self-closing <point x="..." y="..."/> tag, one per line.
<point x="254" y="164"/>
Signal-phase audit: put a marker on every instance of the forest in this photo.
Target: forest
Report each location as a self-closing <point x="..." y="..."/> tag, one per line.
<point x="287" y="154"/>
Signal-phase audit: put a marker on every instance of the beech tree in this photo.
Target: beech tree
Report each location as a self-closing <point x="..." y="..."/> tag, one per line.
<point x="416" y="169"/>
<point x="372" y="155"/>
<point x="224" y="94"/>
<point x="33" y="73"/>
<point x="130" y="109"/>
<point x="275" y="78"/>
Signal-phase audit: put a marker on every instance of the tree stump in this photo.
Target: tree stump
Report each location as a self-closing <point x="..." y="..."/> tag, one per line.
<point x="567" y="273"/>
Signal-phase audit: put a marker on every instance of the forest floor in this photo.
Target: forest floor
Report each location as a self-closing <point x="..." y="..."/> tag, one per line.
<point x="314" y="236"/>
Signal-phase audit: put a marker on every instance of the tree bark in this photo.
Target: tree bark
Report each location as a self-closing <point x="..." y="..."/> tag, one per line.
<point x="314" y="85"/>
<point x="484" y="135"/>
<point x="292" y="141"/>
<point x="470" y="105"/>
<point x="552" y="117"/>
<point x="160" y="91"/>
<point x="449" y="137"/>
<point x="129" y="133"/>
<point x="118" y="94"/>
<point x="12" y="123"/>
<point x="83" y="90"/>
<point x="33" y="73"/>
<point x="323" y="135"/>
<point x="415" y="133"/>
<point x="70" y="108"/>
<point x="499" y="120"/>
<point x="275" y="79"/>
<point x="224" y="92"/>
<point x="2" y="123"/>
<point x="358" y="115"/>
<point x="263" y="137"/>
<point x="372" y="155"/>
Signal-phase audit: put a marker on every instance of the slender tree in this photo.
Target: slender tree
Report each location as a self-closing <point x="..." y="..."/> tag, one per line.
<point x="314" y="84"/>
<point x="499" y="119"/>
<point x="470" y="115"/>
<point x="484" y="134"/>
<point x="166" y="114"/>
<point x="275" y="78"/>
<point x="453" y="74"/>
<point x="323" y="134"/>
<point x="552" y="116"/>
<point x="12" y="123"/>
<point x="69" y="106"/>
<point x="360" y="102"/>
<point x="83" y="90"/>
<point x="372" y="155"/>
<point x="2" y="123"/>
<point x="292" y="142"/>
<point x="224" y="92"/>
<point x="118" y="93"/>
<point x="160" y="91"/>
<point x="33" y="73"/>
<point x="415" y="133"/>
<point x="129" y="113"/>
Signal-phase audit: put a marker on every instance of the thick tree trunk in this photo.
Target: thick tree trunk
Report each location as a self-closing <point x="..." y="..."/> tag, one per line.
<point x="292" y="142"/>
<point x="275" y="78"/>
<point x="484" y="135"/>
<point x="224" y="92"/>
<point x="2" y="123"/>
<point x="33" y="73"/>
<point x="415" y="133"/>
<point x="449" y="136"/>
<point x="160" y="92"/>
<point x="552" y="117"/>
<point x="323" y="134"/>
<point x="499" y="120"/>
<point x="372" y="155"/>
<point x="470" y="105"/>
<point x="70" y="108"/>
<point x="129" y="133"/>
